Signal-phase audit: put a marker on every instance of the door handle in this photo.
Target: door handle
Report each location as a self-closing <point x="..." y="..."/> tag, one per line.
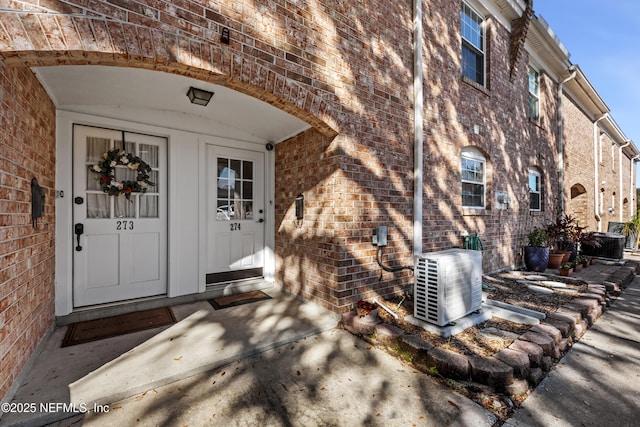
<point x="261" y="220"/>
<point x="79" y="230"/>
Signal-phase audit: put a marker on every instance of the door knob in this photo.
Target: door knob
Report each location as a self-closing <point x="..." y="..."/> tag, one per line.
<point x="260" y="220"/>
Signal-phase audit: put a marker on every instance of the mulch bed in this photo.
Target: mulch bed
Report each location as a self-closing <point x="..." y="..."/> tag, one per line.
<point x="505" y="288"/>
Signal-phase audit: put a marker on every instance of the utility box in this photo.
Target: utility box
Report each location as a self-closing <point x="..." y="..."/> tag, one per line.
<point x="611" y="246"/>
<point x="447" y="285"/>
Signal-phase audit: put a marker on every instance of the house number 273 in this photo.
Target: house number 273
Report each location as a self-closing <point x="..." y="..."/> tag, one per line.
<point x="124" y="225"/>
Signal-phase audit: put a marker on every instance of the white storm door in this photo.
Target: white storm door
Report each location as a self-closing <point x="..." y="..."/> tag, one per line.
<point x="235" y="214"/>
<point x="120" y="253"/>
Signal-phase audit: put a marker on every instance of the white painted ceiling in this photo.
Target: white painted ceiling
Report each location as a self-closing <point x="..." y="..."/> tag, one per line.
<point x="161" y="97"/>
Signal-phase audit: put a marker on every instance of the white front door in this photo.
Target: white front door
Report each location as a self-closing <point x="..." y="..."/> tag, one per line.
<point x="235" y="214"/>
<point x="120" y="243"/>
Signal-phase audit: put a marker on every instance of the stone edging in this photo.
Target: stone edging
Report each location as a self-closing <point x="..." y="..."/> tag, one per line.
<point x="517" y="368"/>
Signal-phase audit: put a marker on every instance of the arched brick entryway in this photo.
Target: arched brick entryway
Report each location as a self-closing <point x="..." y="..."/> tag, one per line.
<point x="49" y="39"/>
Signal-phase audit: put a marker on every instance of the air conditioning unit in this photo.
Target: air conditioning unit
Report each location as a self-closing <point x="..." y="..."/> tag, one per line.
<point x="448" y="285"/>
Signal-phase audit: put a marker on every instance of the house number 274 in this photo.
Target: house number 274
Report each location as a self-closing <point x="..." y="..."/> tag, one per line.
<point x="234" y="226"/>
<point x="124" y="225"/>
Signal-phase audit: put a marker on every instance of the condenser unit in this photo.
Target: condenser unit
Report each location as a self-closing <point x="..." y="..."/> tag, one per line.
<point x="448" y="285"/>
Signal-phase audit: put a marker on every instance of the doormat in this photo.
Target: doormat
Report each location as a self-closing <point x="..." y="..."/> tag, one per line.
<point x="239" y="299"/>
<point x="94" y="330"/>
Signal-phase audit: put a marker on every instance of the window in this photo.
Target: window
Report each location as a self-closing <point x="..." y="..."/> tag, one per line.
<point x="473" y="178"/>
<point x="472" y="45"/>
<point x="535" y="191"/>
<point x="534" y="94"/>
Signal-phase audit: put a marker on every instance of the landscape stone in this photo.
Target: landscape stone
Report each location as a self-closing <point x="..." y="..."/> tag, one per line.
<point x="534" y="351"/>
<point x="581" y="309"/>
<point x="554" y="284"/>
<point x="565" y="344"/>
<point x="540" y="289"/>
<point x="600" y="297"/>
<point x="580" y="329"/>
<point x="416" y="346"/>
<point x="354" y="324"/>
<point x="387" y="333"/>
<point x="564" y="327"/>
<point x="569" y="316"/>
<point x="517" y="388"/>
<point x="548" y="330"/>
<point x="490" y="371"/>
<point x="544" y="341"/>
<point x="547" y="362"/>
<point x="448" y="363"/>
<point x="518" y="360"/>
<point x="535" y="376"/>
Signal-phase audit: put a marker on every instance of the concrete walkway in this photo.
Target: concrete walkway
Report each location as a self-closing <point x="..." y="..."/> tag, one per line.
<point x="598" y="382"/>
<point x="331" y="379"/>
<point x="203" y="339"/>
<point x="266" y="363"/>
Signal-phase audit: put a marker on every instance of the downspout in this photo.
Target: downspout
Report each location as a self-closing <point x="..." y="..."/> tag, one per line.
<point x="596" y="189"/>
<point x="620" y="177"/>
<point x="633" y="203"/>
<point x="574" y="71"/>
<point x="418" y="127"/>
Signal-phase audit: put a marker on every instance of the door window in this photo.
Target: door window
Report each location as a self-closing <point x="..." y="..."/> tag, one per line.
<point x="234" y="189"/>
<point x="139" y="205"/>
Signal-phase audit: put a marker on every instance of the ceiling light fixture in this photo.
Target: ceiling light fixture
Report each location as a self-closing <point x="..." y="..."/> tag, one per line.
<point x="199" y="96"/>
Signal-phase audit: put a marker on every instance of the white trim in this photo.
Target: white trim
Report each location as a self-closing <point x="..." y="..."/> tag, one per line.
<point x="185" y="213"/>
<point x="472" y="153"/>
<point x="536" y="172"/>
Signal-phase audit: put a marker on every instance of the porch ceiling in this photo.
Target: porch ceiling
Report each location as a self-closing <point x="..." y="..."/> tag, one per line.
<point x="95" y="89"/>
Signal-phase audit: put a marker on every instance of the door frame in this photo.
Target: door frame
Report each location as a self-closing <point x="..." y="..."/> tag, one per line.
<point x="185" y="273"/>
<point x="124" y="287"/>
<point x="269" y="208"/>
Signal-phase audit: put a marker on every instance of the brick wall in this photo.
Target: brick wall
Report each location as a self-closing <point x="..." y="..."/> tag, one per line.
<point x="346" y="69"/>
<point x="494" y="120"/>
<point x="27" y="150"/>
<point x="580" y="190"/>
<point x="579" y="164"/>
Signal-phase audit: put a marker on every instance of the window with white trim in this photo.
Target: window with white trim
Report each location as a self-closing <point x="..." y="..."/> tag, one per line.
<point x="535" y="190"/>
<point x="534" y="94"/>
<point x="473" y="44"/>
<point x="473" y="178"/>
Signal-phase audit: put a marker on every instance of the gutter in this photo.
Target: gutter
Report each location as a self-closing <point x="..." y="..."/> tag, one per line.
<point x="620" y="177"/>
<point x="596" y="191"/>
<point x="574" y="71"/>
<point x="418" y="127"/>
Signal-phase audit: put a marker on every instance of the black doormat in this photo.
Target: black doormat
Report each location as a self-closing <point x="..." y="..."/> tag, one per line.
<point x="93" y="330"/>
<point x="239" y="299"/>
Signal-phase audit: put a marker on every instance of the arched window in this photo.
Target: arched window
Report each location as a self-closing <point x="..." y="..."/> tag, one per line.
<point x="474" y="180"/>
<point x="535" y="190"/>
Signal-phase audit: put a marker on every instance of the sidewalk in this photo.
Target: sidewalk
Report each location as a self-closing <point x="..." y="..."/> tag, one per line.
<point x="598" y="382"/>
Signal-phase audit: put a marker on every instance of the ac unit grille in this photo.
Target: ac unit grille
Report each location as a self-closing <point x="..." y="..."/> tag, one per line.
<point x="448" y="285"/>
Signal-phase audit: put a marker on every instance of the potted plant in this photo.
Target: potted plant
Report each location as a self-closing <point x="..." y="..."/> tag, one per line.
<point x="577" y="266"/>
<point x="566" y="269"/>
<point x="536" y="254"/>
<point x="564" y="235"/>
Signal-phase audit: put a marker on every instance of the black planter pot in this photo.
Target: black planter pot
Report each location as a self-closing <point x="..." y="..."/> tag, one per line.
<point x="536" y="258"/>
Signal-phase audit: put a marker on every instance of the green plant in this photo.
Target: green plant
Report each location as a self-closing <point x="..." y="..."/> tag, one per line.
<point x="566" y="266"/>
<point x="564" y="233"/>
<point x="538" y="237"/>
